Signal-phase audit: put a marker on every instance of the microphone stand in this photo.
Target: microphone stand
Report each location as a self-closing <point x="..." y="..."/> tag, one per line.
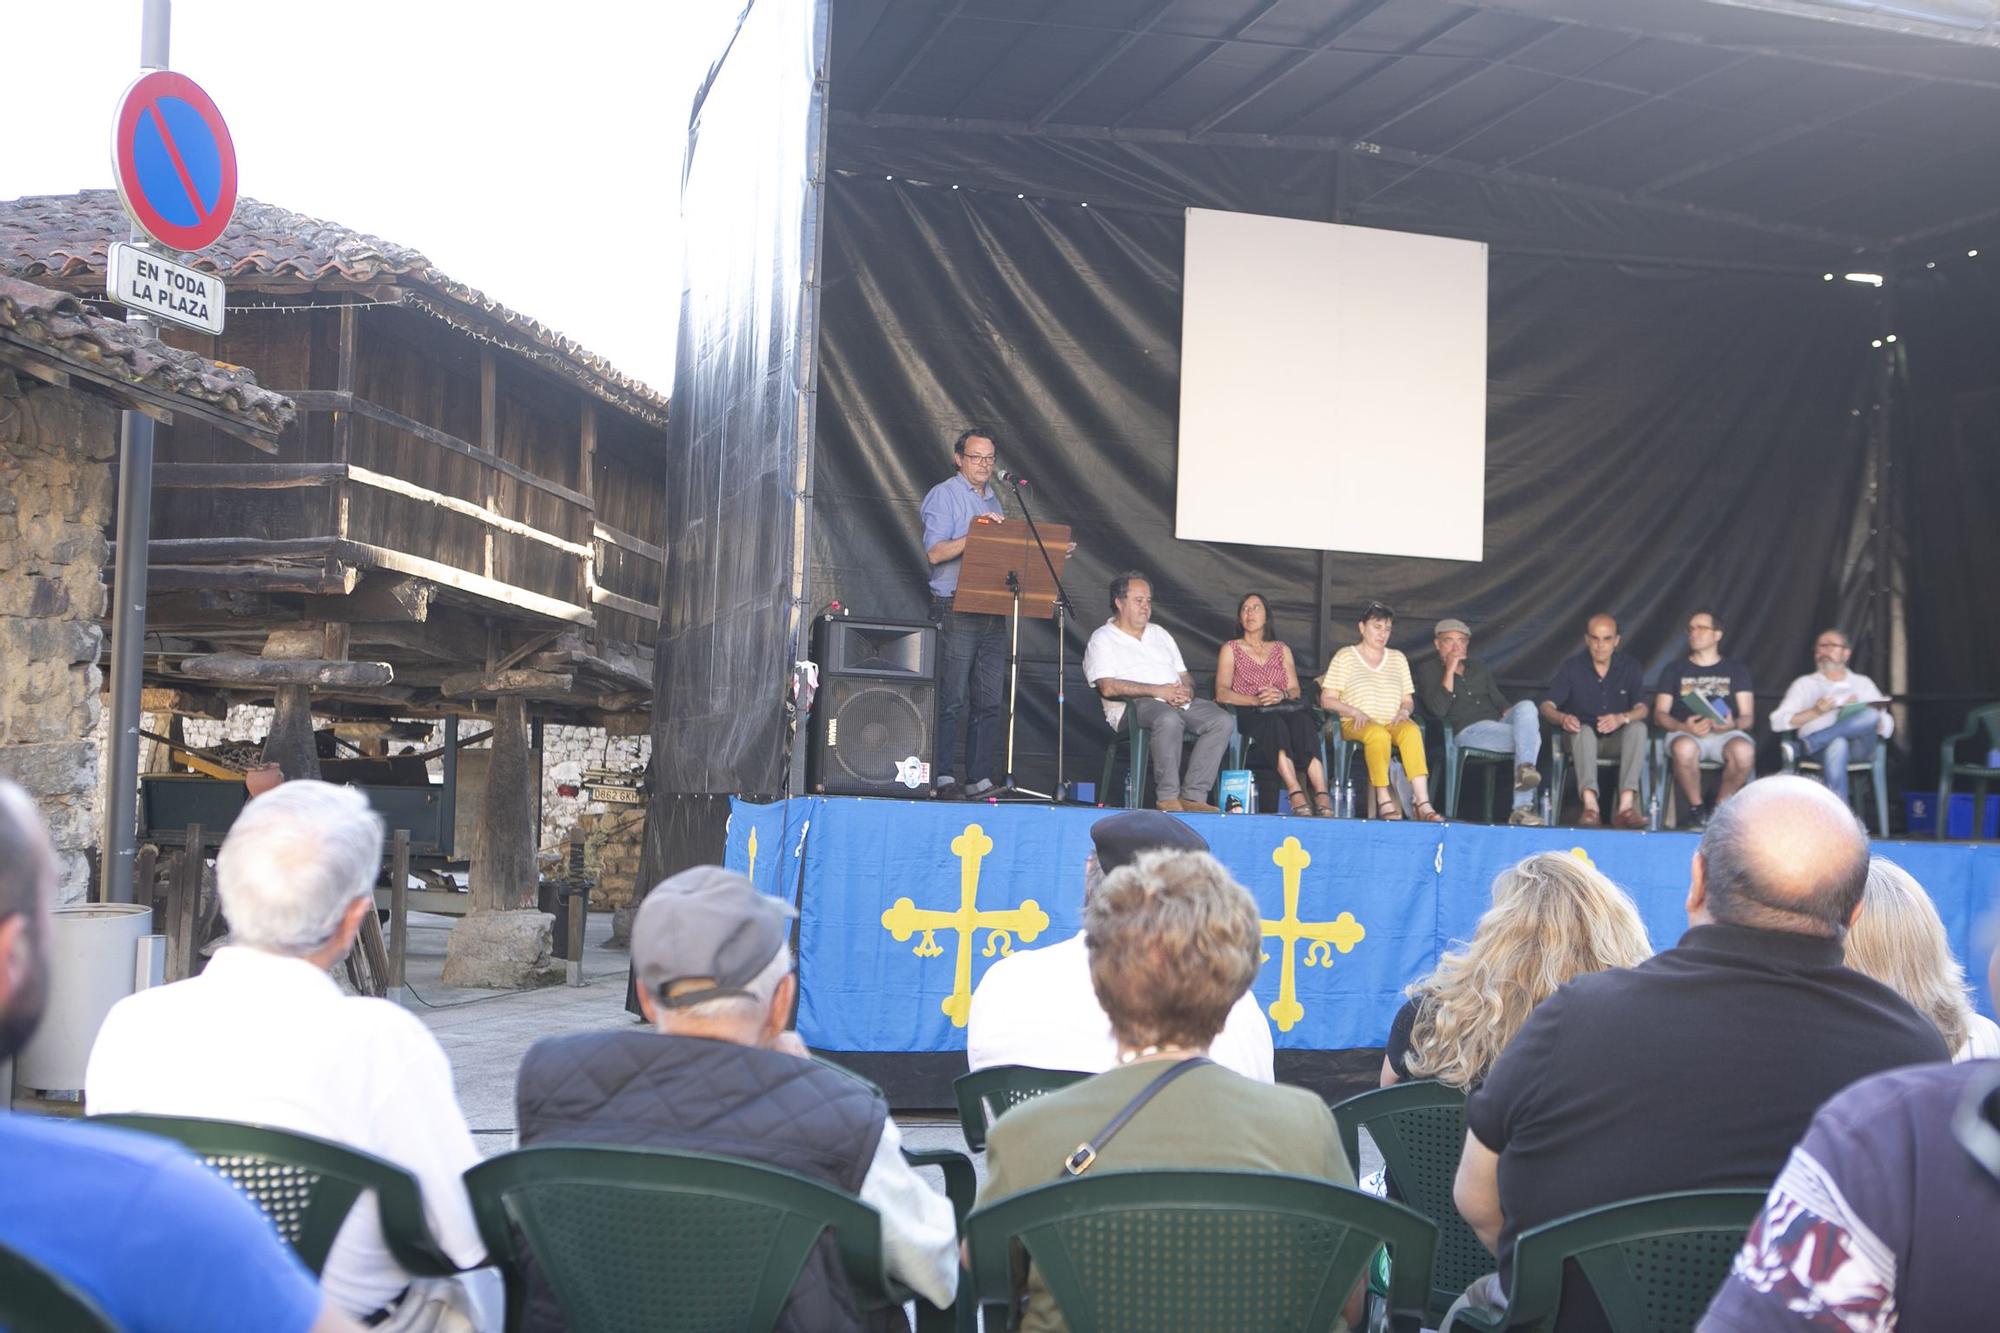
<point x="1063" y="610"/>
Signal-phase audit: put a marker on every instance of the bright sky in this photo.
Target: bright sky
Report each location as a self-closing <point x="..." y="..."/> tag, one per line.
<point x="532" y="150"/>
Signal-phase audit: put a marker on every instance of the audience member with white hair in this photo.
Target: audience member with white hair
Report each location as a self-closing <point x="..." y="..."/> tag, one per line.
<point x="721" y="1071"/>
<point x="151" y="1237"/>
<point x="1899" y="940"/>
<point x="264" y="1035"/>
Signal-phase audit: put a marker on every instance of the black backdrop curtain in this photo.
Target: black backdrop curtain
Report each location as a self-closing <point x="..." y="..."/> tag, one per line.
<point x="1661" y="436"/>
<point x="1946" y="481"/>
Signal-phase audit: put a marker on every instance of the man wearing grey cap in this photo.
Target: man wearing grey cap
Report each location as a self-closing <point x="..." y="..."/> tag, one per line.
<point x="1037" y="1006"/>
<point x="1463" y="695"/>
<point x="722" y="1072"/>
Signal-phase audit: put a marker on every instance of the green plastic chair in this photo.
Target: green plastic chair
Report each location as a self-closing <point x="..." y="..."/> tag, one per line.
<point x="1137" y="743"/>
<point x="1875" y="766"/>
<point x="1351" y="799"/>
<point x="1666" y="795"/>
<point x="985" y="1095"/>
<point x="669" y="1242"/>
<point x="1985" y="718"/>
<point x="34" y="1300"/>
<point x="1555" y="742"/>
<point x="1159" y="1251"/>
<point x="1653" y="1263"/>
<point x="306" y="1185"/>
<point x="1456" y="757"/>
<point x="1419" y="1128"/>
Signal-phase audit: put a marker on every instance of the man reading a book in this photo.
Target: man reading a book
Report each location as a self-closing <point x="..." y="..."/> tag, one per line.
<point x="1704" y="704"/>
<point x="1840" y="715"/>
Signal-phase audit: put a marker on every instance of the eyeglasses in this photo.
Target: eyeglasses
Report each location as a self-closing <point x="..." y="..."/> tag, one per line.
<point x="1829" y="643"/>
<point x="1699" y="627"/>
<point x="979" y="458"/>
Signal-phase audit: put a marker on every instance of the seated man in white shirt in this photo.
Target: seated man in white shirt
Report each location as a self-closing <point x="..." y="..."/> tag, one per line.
<point x="1037" y="1007"/>
<point x="1131" y="662"/>
<point x="1812" y="707"/>
<point x="264" y="1036"/>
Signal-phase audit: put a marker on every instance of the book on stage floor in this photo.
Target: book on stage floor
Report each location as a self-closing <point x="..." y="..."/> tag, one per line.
<point x="1859" y="706"/>
<point x="1700" y="705"/>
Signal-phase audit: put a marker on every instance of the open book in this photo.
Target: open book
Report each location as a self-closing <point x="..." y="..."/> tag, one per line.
<point x="1858" y="706"/>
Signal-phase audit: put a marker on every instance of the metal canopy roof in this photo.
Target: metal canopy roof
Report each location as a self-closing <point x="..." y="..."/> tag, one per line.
<point x="1877" y="132"/>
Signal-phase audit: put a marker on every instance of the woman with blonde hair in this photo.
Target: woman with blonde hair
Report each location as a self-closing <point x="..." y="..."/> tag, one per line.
<point x="1554" y="916"/>
<point x="1899" y="940"/>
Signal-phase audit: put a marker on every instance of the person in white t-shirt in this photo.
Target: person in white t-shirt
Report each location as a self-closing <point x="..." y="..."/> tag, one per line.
<point x="1812" y="707"/>
<point x="1037" y="1007"/>
<point x="264" y="1036"/>
<point x="1131" y="662"/>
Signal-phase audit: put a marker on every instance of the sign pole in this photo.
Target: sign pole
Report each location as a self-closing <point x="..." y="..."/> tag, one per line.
<point x="128" y="588"/>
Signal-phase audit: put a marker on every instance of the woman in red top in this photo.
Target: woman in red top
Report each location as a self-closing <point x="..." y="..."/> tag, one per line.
<point x="1255" y="675"/>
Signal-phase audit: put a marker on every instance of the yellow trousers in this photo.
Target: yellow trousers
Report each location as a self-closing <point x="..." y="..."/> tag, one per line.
<point x="1376" y="739"/>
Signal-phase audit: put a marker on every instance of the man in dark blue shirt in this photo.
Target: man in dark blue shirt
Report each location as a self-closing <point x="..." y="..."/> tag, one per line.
<point x="159" y="1243"/>
<point x="1596" y="696"/>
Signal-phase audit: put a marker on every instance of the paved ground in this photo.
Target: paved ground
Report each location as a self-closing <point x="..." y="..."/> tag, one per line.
<point x="487" y="1032"/>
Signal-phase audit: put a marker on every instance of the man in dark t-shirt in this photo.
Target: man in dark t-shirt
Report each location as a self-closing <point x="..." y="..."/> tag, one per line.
<point x="1701" y="1067"/>
<point x="1704" y="704"/>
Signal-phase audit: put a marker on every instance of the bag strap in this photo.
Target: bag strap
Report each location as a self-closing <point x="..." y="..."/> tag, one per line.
<point x="1086" y="1152"/>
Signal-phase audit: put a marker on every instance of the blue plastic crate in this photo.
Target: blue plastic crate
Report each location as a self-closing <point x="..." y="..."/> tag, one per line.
<point x="1920" y="814"/>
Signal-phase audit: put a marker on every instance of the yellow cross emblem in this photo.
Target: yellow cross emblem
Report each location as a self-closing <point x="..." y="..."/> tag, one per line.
<point x="1342" y="933"/>
<point x="905" y="918"/>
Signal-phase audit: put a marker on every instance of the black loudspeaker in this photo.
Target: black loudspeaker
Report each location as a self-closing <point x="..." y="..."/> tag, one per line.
<point x="874" y="720"/>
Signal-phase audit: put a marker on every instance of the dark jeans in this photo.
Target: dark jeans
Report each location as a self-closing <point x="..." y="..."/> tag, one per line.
<point x="973" y="649"/>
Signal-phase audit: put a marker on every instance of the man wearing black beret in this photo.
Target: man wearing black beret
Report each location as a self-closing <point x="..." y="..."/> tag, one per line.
<point x="1037" y="1007"/>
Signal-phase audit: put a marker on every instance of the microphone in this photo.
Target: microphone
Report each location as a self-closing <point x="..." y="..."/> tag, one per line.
<point x="1011" y="477"/>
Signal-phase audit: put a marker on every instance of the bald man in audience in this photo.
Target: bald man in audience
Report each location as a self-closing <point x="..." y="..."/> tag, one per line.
<point x="1701" y="1067"/>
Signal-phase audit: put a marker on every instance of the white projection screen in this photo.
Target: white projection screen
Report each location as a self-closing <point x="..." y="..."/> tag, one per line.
<point x="1333" y="388"/>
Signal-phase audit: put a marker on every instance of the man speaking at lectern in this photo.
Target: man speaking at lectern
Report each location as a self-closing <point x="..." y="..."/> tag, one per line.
<point x="973" y="646"/>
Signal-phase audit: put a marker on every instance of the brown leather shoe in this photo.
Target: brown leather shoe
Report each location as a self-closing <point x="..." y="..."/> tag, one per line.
<point x="1629" y="818"/>
<point x="1198" y="807"/>
<point x="1170" y="805"/>
<point x="1590" y="818"/>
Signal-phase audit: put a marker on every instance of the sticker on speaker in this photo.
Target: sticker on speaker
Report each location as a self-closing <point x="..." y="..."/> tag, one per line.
<point x="913" y="773"/>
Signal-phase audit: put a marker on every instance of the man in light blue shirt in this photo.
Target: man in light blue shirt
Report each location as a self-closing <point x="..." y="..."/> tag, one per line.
<point x="973" y="646"/>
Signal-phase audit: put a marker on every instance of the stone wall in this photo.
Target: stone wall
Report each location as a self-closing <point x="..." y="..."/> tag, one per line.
<point x="56" y="449"/>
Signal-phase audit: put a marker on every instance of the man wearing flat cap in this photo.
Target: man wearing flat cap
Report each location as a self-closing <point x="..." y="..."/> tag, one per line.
<point x="1462" y="694"/>
<point x="1037" y="1006"/>
<point x="720" y="1071"/>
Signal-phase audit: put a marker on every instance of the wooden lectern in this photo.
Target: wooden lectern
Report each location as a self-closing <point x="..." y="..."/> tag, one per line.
<point x="1004" y="573"/>
<point x="995" y="550"/>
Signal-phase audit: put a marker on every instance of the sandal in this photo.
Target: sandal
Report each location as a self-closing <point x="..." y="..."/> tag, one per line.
<point x="1386" y="807"/>
<point x="1299" y="804"/>
<point x="1323" y="804"/>
<point x="1427" y="814"/>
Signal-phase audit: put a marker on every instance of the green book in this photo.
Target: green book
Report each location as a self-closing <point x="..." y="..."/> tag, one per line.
<point x="1849" y="710"/>
<point x="1700" y="705"/>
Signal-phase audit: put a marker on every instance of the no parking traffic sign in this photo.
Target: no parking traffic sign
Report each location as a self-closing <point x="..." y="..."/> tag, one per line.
<point x="175" y="163"/>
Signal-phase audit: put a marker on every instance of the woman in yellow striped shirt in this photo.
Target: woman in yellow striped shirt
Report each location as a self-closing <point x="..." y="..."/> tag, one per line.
<point x="1369" y="686"/>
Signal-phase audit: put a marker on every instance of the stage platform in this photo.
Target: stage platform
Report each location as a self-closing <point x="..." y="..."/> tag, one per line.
<point x="904" y="904"/>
